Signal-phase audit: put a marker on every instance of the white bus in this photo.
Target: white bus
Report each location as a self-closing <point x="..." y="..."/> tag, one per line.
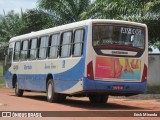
<point x="94" y="58"/>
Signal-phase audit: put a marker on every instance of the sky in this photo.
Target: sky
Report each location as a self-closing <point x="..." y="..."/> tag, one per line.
<point x="16" y="5"/>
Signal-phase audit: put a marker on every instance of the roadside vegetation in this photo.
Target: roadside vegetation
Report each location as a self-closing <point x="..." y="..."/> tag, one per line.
<point x="2" y="82"/>
<point x="153" y="89"/>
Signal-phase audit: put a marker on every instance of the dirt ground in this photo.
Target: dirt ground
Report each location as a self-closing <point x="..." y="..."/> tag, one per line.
<point x="32" y="101"/>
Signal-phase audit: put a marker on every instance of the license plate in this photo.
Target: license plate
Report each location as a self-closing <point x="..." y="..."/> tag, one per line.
<point x="118" y="87"/>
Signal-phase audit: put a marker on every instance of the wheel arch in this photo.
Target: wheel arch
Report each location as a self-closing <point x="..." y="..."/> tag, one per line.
<point x="49" y="76"/>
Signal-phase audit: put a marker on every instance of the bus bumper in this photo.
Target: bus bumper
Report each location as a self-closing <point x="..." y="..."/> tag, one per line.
<point x="124" y="88"/>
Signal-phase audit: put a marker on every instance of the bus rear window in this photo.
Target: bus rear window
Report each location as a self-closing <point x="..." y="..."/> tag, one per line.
<point x="110" y="35"/>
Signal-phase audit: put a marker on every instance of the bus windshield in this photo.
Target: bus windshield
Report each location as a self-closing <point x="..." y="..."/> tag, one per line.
<point x="110" y="35"/>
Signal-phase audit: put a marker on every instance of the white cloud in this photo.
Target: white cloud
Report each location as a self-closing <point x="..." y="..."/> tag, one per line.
<point x="16" y="5"/>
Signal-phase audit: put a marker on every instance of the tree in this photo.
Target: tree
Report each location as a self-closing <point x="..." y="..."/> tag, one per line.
<point x="145" y="11"/>
<point x="13" y="24"/>
<point x="10" y="26"/>
<point x="64" y="11"/>
<point x="34" y="20"/>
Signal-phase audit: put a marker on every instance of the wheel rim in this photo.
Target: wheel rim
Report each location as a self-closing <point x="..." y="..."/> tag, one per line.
<point x="49" y="91"/>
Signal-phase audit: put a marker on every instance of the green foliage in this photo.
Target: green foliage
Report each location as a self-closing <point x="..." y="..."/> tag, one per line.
<point x="64" y="11"/>
<point x="2" y="81"/>
<point x="1" y="70"/>
<point x="13" y="24"/>
<point x="10" y="25"/>
<point x="34" y="20"/>
<point x="153" y="89"/>
<point x="144" y="11"/>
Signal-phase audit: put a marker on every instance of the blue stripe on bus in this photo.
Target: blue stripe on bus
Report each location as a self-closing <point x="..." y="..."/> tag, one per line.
<point x="62" y="81"/>
<point x="69" y="78"/>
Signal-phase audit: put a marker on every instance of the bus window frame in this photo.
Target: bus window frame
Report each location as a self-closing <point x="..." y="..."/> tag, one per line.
<point x="16" y="51"/>
<point x="24" y="50"/>
<point x="58" y="46"/>
<point x="73" y="43"/>
<point x="46" y="47"/>
<point x="61" y="41"/>
<point x="9" y="60"/>
<point x="29" y="49"/>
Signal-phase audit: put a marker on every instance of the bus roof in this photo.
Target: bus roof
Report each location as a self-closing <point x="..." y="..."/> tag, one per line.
<point x="70" y="26"/>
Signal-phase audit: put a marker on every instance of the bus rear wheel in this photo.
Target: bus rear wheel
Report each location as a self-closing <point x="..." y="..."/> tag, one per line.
<point x="18" y="92"/>
<point x="98" y="98"/>
<point x="51" y="95"/>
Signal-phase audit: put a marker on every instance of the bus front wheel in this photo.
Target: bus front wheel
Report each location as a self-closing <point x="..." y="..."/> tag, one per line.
<point x="98" y="98"/>
<point x="18" y="92"/>
<point x="51" y="95"/>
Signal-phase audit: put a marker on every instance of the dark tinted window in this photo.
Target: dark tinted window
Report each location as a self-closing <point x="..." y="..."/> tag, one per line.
<point x="24" y="50"/>
<point x="132" y="36"/>
<point x="17" y="50"/>
<point x="33" y="48"/>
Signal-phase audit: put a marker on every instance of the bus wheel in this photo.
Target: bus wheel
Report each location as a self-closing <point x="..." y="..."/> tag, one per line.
<point x="51" y="95"/>
<point x="18" y="92"/>
<point x="98" y="98"/>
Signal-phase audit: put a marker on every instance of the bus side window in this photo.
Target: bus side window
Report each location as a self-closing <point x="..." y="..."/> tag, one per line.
<point x="43" y="47"/>
<point x="33" y="49"/>
<point x="66" y="44"/>
<point x="78" y="42"/>
<point x="17" y="51"/>
<point x="24" y="50"/>
<point x="10" y="54"/>
<point x="54" y="45"/>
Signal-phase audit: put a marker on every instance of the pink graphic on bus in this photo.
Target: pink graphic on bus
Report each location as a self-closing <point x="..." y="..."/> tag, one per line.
<point x="122" y="68"/>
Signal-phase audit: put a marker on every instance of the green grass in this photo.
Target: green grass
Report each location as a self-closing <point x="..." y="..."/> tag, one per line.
<point x="153" y="89"/>
<point x="1" y="70"/>
<point x="2" y="81"/>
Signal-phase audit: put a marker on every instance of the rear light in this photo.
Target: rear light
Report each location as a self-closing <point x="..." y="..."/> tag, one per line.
<point x="90" y="74"/>
<point x="144" y="77"/>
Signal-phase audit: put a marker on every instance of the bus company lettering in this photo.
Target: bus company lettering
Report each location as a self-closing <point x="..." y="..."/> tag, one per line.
<point x="131" y="31"/>
<point x="51" y="66"/>
<point x="27" y="67"/>
<point x="119" y="52"/>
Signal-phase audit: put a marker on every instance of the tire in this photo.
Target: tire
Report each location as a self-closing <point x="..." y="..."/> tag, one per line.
<point x="18" y="92"/>
<point x="98" y="98"/>
<point x="51" y="95"/>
